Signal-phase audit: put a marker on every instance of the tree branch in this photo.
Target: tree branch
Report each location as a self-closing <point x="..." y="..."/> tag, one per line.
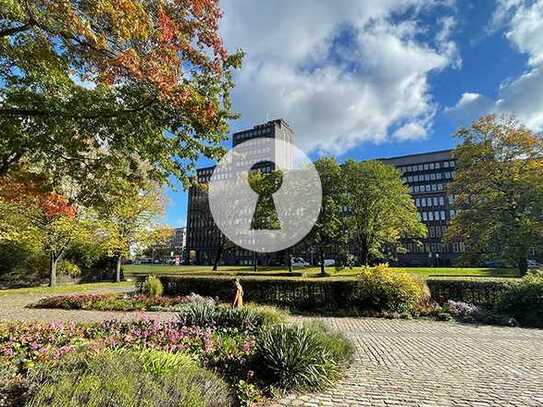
<point x="14" y="30"/>
<point x="21" y="112"/>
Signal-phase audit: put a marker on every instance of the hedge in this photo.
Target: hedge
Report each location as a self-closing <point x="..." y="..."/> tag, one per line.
<point x="473" y="291"/>
<point x="312" y="293"/>
<point x="299" y="293"/>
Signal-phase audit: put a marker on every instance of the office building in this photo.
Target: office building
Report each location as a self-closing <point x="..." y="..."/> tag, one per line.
<point x="426" y="174"/>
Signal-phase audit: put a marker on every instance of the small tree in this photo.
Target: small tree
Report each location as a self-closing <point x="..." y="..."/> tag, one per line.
<point x="131" y="222"/>
<point x="498" y="190"/>
<point x="329" y="230"/>
<point x="381" y="210"/>
<point x="42" y="218"/>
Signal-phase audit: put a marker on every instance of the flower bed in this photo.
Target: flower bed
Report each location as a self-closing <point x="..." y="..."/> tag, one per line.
<point x="38" y="360"/>
<point x="117" y="302"/>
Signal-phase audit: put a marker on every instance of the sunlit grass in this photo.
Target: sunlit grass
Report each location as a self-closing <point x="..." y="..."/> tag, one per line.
<point x="313" y="272"/>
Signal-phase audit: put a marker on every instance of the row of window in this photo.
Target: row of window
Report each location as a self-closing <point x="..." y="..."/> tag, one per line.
<point x="253" y="133"/>
<point x="437" y="231"/>
<point x="430" y="201"/>
<point x="429" y="177"/>
<point x="427" y="166"/>
<point x="431" y="216"/>
<point x="426" y="188"/>
<point x="430" y="248"/>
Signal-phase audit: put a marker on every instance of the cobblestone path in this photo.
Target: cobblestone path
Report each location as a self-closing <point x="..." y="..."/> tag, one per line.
<point x="421" y="363"/>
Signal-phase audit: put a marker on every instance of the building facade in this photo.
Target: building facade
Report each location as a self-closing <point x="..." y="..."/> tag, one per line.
<point x="426" y="175"/>
<point x="204" y="240"/>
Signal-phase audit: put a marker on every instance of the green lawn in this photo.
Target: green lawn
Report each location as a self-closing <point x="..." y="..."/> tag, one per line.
<point x="424" y="272"/>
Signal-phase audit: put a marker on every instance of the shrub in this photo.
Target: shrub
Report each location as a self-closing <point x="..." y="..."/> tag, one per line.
<point x="473" y="291"/>
<point x="308" y="293"/>
<point x="341" y="350"/>
<point x="524" y="301"/>
<point x="297" y="357"/>
<point x="119" y="378"/>
<point x="462" y="310"/>
<point x="248" y="318"/>
<point x="68" y="268"/>
<point x="381" y="289"/>
<point x="115" y="302"/>
<point x="160" y="362"/>
<point x="153" y="286"/>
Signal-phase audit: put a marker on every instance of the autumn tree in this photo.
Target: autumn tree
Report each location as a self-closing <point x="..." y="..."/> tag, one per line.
<point x="498" y="190"/>
<point x="41" y="218"/>
<point x="329" y="232"/>
<point x="132" y="222"/>
<point x="123" y="88"/>
<point x="381" y="210"/>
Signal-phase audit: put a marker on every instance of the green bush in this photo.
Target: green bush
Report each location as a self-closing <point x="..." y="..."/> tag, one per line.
<point x="247" y="318"/>
<point x="123" y="378"/>
<point x="381" y="289"/>
<point x="298" y="357"/>
<point x="153" y="287"/>
<point x="469" y="290"/>
<point x="21" y="266"/>
<point x="68" y="268"/>
<point x="307" y="293"/>
<point x="524" y="301"/>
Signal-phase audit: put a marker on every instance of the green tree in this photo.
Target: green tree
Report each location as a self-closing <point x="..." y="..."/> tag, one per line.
<point x="129" y="88"/>
<point x="132" y="222"/>
<point x="381" y="210"/>
<point x="42" y="219"/>
<point x="498" y="190"/>
<point x="329" y="232"/>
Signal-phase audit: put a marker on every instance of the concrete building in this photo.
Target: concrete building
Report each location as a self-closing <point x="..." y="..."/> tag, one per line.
<point x="426" y="174"/>
<point x="204" y="239"/>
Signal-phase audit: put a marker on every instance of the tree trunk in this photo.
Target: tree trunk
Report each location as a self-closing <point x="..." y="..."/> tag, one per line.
<point x="255" y="259"/>
<point x="289" y="260"/>
<point x="523" y="265"/>
<point x="321" y="256"/>
<point x="53" y="271"/>
<point x="364" y="253"/>
<point x="218" y="257"/>
<point x="118" y="269"/>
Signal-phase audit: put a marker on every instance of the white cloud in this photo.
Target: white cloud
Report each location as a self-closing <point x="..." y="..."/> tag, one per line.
<point x="522" y="22"/>
<point x="370" y="86"/>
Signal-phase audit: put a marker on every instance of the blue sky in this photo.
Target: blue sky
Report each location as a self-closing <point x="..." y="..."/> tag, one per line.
<point x="368" y="79"/>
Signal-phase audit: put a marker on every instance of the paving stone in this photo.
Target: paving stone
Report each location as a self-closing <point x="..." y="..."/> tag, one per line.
<point x="438" y="364"/>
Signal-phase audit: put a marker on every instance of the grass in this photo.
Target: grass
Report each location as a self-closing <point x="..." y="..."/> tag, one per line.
<point x="67" y="289"/>
<point x="312" y="272"/>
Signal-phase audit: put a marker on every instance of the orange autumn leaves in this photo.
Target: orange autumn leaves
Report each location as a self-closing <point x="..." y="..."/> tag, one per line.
<point x="26" y="194"/>
<point x="158" y="44"/>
